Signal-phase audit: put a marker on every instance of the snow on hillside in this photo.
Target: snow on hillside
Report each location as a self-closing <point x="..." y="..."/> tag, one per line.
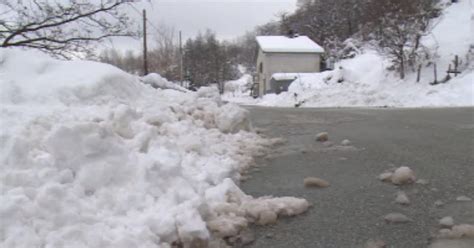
<point x="365" y="80"/>
<point x="92" y="157"/>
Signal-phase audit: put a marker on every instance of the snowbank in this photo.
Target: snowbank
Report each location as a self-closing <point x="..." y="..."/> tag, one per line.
<point x="365" y="81"/>
<point x="157" y="81"/>
<point x="239" y="88"/>
<point x="92" y="157"/>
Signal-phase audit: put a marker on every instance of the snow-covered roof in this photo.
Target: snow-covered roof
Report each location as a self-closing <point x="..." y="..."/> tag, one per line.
<point x="285" y="76"/>
<point x="284" y="44"/>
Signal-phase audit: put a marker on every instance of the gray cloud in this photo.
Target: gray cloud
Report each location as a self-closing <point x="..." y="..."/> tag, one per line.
<point x="228" y="18"/>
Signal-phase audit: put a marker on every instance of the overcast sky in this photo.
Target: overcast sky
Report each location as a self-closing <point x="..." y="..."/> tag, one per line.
<point x="228" y="18"/>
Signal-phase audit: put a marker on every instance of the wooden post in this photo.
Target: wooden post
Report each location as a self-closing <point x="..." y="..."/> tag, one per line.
<point x="435" y="75"/>
<point x="418" y="74"/>
<point x="145" y="52"/>
<point x="456" y="63"/>
<point x="181" y="77"/>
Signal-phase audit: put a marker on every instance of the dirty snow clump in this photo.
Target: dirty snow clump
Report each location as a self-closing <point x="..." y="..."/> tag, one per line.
<point x="446" y="222"/>
<point x="322" y="137"/>
<point x="396" y="218"/>
<point x="402" y="198"/>
<point x="346" y="142"/>
<point x="403" y="175"/>
<point x="457" y="232"/>
<point x="315" y="182"/>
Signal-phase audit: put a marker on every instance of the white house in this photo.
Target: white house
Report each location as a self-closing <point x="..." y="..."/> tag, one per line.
<point x="285" y="54"/>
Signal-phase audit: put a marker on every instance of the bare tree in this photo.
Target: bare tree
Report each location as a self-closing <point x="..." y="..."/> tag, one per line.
<point x="164" y="58"/>
<point x="398" y="33"/>
<point x="61" y="28"/>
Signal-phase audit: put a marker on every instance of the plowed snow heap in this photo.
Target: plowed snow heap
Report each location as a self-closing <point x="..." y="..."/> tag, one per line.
<point x="92" y="157"/>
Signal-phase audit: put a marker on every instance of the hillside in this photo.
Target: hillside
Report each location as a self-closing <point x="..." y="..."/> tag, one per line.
<point x="365" y="80"/>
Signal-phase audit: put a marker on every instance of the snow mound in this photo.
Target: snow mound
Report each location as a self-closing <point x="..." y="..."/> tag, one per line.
<point x="239" y="87"/>
<point x="157" y="81"/>
<point x="93" y="157"/>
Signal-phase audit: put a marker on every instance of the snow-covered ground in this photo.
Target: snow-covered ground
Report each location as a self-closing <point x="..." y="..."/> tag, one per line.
<point x="365" y="80"/>
<point x="92" y="157"/>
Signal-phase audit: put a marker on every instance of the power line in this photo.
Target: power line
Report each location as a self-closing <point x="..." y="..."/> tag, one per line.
<point x="147" y="20"/>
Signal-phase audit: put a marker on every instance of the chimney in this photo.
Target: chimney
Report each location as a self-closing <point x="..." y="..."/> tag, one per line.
<point x="292" y="34"/>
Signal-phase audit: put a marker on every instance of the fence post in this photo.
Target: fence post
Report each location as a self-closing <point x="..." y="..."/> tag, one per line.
<point x="418" y="74"/>
<point x="456" y="63"/>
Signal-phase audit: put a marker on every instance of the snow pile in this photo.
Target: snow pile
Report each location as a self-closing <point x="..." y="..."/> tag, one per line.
<point x="157" y="81"/>
<point x="92" y="157"/>
<point x="239" y="88"/>
<point x="366" y="81"/>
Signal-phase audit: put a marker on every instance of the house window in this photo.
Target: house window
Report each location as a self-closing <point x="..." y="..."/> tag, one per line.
<point x="260" y="67"/>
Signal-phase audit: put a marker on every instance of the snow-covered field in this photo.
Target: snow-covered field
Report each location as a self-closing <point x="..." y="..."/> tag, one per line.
<point x="365" y="80"/>
<point x="92" y="157"/>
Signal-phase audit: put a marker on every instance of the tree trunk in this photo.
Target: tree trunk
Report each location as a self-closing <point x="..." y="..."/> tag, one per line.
<point x="402" y="67"/>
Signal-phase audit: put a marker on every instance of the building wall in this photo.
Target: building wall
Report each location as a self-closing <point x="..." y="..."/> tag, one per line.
<point x="286" y="63"/>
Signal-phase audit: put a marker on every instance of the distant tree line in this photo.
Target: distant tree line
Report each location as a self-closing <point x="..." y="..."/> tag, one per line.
<point x="393" y="27"/>
<point x="206" y="60"/>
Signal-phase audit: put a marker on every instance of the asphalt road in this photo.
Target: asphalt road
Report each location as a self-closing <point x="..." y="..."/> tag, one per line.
<point x="438" y="144"/>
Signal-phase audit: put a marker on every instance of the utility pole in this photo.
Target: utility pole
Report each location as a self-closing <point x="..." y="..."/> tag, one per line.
<point x="145" y="52"/>
<point x="181" y="77"/>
